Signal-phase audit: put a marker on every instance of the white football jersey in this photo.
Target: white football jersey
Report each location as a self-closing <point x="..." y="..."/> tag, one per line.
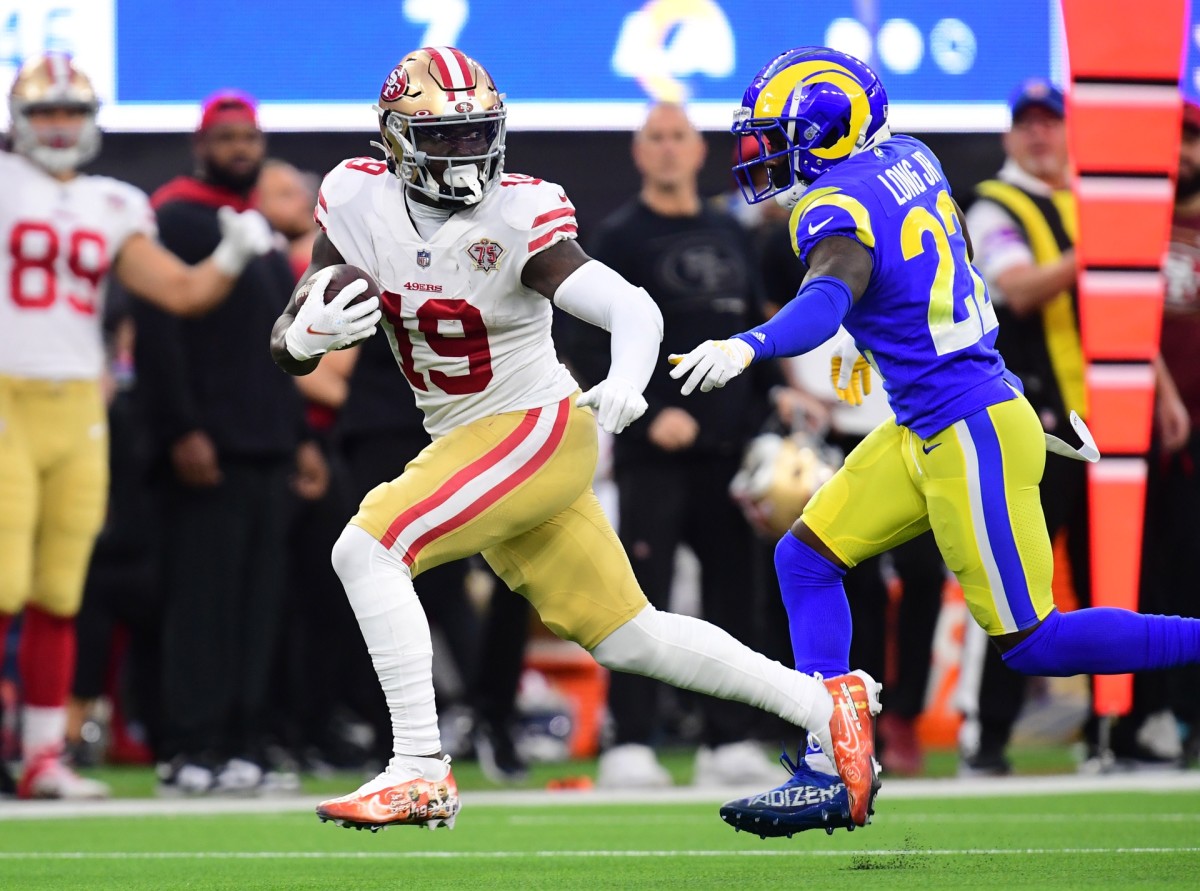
<point x="57" y="241"/>
<point x="471" y="339"/>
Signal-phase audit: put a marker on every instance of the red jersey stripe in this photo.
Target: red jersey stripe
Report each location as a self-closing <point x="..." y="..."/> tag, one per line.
<point x="477" y="507"/>
<point x="464" y="476"/>
<point x="552" y="215"/>
<point x="543" y="240"/>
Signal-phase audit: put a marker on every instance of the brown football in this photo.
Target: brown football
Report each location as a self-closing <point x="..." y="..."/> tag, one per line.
<point x="343" y="274"/>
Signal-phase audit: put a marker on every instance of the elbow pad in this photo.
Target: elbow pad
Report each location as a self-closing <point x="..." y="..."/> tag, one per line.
<point x="600" y="296"/>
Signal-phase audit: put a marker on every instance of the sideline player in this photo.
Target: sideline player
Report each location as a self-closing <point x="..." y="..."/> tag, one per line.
<point x="888" y="257"/>
<point x="469" y="259"/>
<point x="63" y="232"/>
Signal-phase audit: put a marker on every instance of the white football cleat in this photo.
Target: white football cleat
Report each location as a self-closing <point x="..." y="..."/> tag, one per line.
<point x="631" y="766"/>
<point x="46" y="776"/>
<point x="733" y="764"/>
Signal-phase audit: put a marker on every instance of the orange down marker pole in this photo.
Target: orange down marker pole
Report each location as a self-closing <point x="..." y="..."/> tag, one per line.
<point x="1123" y="124"/>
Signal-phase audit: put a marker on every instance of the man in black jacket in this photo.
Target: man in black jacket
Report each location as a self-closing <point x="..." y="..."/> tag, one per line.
<point x="674" y="465"/>
<point x="228" y="430"/>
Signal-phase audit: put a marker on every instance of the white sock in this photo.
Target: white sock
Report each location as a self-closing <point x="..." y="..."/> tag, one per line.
<point x="696" y="655"/>
<point x="42" y="728"/>
<point x="396" y="632"/>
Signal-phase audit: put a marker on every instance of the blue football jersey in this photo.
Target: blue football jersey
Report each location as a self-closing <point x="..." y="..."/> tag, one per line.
<point x="925" y="321"/>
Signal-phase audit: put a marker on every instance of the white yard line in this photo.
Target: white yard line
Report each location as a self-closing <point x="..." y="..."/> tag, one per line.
<point x="500" y="855"/>
<point x="1188" y="781"/>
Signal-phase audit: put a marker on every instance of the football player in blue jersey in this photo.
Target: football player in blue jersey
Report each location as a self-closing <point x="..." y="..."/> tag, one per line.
<point x="888" y="258"/>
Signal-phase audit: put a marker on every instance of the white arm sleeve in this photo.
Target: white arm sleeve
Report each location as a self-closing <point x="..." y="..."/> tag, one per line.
<point x="601" y="297"/>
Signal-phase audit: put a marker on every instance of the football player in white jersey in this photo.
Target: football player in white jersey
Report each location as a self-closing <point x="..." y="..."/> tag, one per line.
<point x="469" y="259"/>
<point x="61" y="234"/>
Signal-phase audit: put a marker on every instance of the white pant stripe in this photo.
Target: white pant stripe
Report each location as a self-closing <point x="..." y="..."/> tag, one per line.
<point x="979" y="523"/>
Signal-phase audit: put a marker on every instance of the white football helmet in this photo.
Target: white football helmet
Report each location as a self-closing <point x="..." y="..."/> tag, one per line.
<point x="52" y="81"/>
<point x="778" y="476"/>
<point x="440" y="106"/>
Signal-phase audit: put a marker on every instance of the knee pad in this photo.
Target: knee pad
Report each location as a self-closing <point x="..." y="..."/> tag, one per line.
<point x="357" y="555"/>
<point x="633" y="646"/>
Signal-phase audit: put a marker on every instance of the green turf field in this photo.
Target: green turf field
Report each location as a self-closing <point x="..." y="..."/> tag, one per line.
<point x="1093" y="840"/>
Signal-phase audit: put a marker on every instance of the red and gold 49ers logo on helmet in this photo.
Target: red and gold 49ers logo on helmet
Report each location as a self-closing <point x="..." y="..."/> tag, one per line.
<point x="485" y="254"/>
<point x="395" y="85"/>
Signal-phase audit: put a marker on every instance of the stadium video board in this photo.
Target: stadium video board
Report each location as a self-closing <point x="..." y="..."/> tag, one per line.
<point x="316" y="65"/>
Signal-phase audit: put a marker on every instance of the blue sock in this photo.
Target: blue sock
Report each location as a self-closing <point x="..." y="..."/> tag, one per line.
<point x="818" y="612"/>
<point x="1104" y="640"/>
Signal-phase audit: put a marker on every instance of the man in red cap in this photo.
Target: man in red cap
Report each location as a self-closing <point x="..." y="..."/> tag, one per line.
<point x="229" y="430"/>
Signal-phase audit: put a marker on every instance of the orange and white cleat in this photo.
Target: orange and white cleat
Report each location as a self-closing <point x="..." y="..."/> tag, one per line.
<point x="851" y="739"/>
<point x="410" y="792"/>
<point x="46" y="775"/>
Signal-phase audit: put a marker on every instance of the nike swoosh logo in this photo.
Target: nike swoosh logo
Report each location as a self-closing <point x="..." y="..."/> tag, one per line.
<point x="929" y="448"/>
<point x="814" y="229"/>
<point x="312" y="330"/>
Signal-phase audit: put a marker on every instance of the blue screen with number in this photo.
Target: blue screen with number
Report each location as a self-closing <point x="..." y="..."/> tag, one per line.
<point x="946" y="64"/>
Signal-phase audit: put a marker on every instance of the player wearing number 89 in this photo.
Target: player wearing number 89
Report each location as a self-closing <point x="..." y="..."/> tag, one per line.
<point x="469" y="260"/>
<point x="61" y="234"/>
<point x="888" y="257"/>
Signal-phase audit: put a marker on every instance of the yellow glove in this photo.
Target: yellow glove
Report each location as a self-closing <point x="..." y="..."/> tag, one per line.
<point x="849" y="372"/>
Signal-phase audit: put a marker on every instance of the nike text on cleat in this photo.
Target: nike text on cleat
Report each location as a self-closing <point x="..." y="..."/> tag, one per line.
<point x="808" y="800"/>
<point x="388" y="801"/>
<point x="852" y="733"/>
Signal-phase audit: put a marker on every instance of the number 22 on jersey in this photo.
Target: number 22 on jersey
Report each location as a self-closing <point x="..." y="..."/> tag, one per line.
<point x="948" y="335"/>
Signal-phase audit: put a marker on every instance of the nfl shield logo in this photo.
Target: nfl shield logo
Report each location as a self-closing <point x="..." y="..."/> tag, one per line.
<point x="424" y="258"/>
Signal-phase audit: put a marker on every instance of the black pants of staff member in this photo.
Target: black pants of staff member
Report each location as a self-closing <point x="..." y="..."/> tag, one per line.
<point x="1002" y="690"/>
<point x="222" y="574"/>
<point x="121" y="590"/>
<point x="666" y="501"/>
<point x="919" y="565"/>
<point x="1171" y="576"/>
<point x="490" y="660"/>
<point x="319" y="626"/>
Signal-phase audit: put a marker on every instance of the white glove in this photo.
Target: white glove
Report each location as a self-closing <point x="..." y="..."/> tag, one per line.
<point x="713" y="364"/>
<point x="849" y="372"/>
<point x="244" y="236"/>
<point x="320" y="327"/>
<point x="616" y="402"/>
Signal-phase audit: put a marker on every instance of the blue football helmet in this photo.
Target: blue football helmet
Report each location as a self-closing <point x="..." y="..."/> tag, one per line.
<point x="813" y="106"/>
